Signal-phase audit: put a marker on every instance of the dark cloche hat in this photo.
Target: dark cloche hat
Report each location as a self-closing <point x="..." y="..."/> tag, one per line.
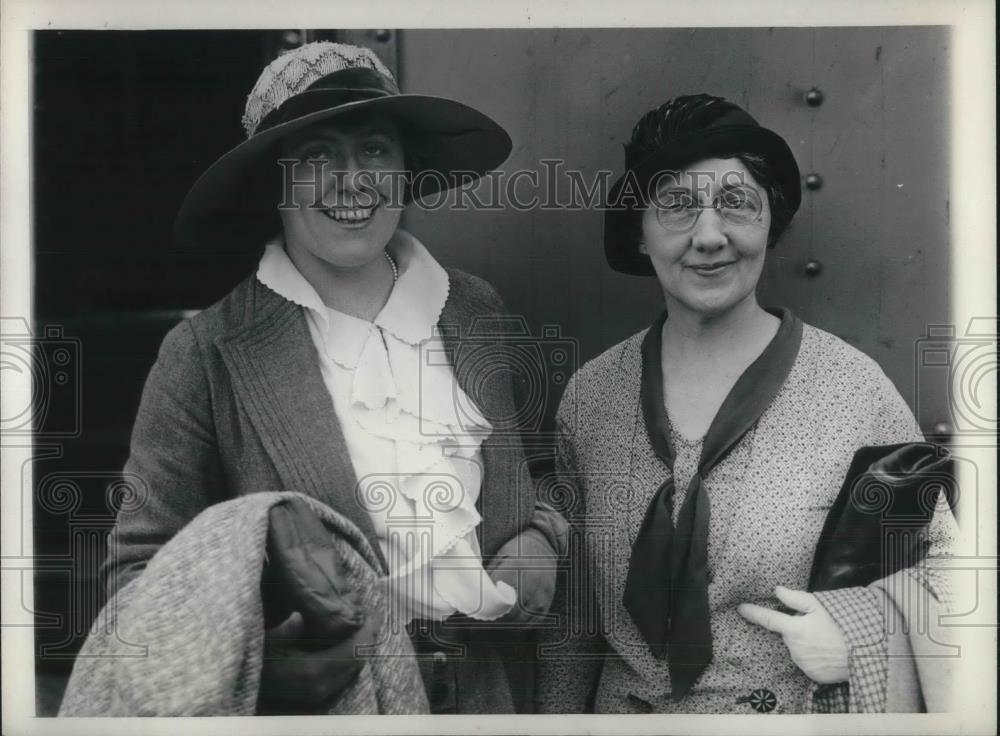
<point x="680" y="132"/>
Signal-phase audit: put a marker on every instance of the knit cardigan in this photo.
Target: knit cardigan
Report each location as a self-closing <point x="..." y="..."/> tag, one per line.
<point x="235" y="404"/>
<point x="769" y="498"/>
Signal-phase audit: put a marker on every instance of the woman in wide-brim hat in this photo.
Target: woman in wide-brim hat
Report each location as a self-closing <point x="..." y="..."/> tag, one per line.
<point x="322" y="373"/>
<point x="709" y="449"/>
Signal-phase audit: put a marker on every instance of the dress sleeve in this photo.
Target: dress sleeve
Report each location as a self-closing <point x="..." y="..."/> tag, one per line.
<point x="861" y="612"/>
<point x="893" y="423"/>
<point x="569" y="656"/>
<point x="173" y="459"/>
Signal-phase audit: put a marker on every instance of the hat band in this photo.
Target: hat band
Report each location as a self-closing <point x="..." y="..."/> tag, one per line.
<point x="335" y="89"/>
<point x="357" y="78"/>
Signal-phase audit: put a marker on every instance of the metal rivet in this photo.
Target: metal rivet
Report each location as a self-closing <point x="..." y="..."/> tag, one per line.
<point x="291" y="38"/>
<point x="813" y="268"/>
<point x="942" y="428"/>
<point x="383" y="35"/>
<point x="814" y="98"/>
<point x="814" y="182"/>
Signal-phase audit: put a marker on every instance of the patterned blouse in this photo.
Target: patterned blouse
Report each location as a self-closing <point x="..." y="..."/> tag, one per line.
<point x="769" y="499"/>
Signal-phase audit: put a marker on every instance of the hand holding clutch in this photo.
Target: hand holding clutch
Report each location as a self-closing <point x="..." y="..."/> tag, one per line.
<point x="874" y="528"/>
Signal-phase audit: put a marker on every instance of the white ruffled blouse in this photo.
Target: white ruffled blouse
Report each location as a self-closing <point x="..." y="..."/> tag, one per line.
<point x="413" y="435"/>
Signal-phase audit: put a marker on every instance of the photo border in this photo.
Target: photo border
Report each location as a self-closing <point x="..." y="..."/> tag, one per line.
<point x="973" y="217"/>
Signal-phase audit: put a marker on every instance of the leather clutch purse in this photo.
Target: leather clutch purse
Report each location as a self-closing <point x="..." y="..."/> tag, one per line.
<point x="876" y="525"/>
<point x="304" y="573"/>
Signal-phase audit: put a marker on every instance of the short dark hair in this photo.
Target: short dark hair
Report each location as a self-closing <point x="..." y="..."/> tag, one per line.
<point x="781" y="211"/>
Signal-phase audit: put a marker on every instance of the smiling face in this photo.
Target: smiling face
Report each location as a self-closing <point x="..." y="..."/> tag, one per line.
<point x="347" y="217"/>
<point x="712" y="265"/>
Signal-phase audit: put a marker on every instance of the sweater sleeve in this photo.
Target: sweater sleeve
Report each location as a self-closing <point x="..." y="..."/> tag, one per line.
<point x="860" y="612"/>
<point x="569" y="655"/>
<point x="173" y="459"/>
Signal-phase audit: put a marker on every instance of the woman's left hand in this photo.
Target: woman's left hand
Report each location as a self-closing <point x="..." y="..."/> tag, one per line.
<point x="813" y="638"/>
<point x="526" y="563"/>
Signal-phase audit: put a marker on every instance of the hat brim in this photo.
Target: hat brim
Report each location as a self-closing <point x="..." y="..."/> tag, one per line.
<point x="621" y="246"/>
<point x="458" y="137"/>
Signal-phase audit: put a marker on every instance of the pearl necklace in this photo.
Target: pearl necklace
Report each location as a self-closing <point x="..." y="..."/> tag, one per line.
<point x="395" y="268"/>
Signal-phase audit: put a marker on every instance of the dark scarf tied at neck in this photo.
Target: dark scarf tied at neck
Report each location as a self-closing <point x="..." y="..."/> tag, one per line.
<point x="666" y="591"/>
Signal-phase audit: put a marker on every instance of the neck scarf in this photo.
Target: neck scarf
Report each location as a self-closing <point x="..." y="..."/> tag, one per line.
<point x="666" y="591"/>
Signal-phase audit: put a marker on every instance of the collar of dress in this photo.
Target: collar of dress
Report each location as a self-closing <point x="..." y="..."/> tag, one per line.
<point x="410" y="314"/>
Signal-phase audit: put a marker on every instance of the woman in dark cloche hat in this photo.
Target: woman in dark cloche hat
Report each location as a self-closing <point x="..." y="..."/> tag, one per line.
<point x="726" y="562"/>
<point x="397" y="508"/>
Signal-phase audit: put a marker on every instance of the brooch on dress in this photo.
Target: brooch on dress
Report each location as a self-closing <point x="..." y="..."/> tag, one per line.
<point x="761" y="700"/>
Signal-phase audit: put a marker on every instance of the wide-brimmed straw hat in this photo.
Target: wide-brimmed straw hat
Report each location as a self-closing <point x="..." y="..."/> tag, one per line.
<point x="680" y="132"/>
<point x="235" y="198"/>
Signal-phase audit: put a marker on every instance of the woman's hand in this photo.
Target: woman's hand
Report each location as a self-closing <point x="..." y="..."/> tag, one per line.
<point x="814" y="640"/>
<point x="527" y="565"/>
<point x="302" y="675"/>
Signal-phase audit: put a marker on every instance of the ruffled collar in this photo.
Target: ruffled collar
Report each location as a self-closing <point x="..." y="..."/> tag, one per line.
<point x="401" y="388"/>
<point x="410" y="314"/>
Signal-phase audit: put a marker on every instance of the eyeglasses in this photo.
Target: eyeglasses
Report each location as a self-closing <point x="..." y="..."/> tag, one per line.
<point x="679" y="211"/>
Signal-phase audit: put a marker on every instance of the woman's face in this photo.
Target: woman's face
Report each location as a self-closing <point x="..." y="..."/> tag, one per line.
<point x="343" y="208"/>
<point x="713" y="264"/>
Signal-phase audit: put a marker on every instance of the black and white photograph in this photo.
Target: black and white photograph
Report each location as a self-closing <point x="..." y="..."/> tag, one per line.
<point x="439" y="369"/>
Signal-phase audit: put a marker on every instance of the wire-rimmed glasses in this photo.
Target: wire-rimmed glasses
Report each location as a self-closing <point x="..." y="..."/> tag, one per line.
<point x="679" y="211"/>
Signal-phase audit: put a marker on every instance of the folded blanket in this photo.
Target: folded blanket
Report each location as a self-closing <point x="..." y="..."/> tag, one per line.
<point x="196" y="610"/>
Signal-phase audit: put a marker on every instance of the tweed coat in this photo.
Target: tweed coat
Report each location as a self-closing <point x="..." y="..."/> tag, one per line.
<point x="235" y="404"/>
<point x="769" y="497"/>
<point x="203" y="656"/>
